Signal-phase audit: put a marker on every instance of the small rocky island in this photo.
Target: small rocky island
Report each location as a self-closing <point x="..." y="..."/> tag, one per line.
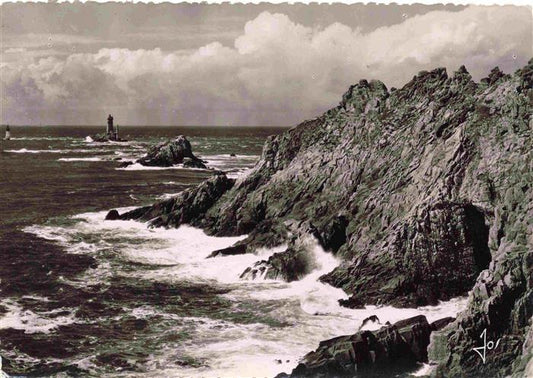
<point x="424" y="192"/>
<point x="111" y="133"/>
<point x="169" y="153"/>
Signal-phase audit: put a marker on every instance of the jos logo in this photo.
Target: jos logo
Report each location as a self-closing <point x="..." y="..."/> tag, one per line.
<point x="482" y="350"/>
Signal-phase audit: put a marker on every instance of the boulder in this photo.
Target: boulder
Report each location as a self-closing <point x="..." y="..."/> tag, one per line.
<point x="112" y="215"/>
<point x="439" y="324"/>
<point x="290" y="265"/>
<point x="100" y="138"/>
<point x="190" y="163"/>
<point x="391" y="350"/>
<point x="170" y="153"/>
<point x="125" y="164"/>
<point x="238" y="249"/>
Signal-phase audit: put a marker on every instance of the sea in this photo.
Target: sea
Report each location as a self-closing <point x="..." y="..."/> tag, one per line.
<point x="82" y="296"/>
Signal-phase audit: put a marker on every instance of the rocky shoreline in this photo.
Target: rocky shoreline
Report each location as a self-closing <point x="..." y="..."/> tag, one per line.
<point x="425" y="194"/>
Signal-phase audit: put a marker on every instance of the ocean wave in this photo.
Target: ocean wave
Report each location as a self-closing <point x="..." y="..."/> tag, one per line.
<point x="83" y="159"/>
<point x="26" y="151"/>
<point x="231" y="349"/>
<point x="42" y="138"/>
<point x="140" y="167"/>
<point x="17" y="317"/>
<point x="54" y="151"/>
<point x="222" y="161"/>
<point x="166" y="196"/>
<point x="239" y="173"/>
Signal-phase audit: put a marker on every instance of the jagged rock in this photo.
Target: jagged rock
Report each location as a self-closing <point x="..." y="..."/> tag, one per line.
<point x="170" y="153"/>
<point x="291" y="265"/>
<point x="125" y="164"/>
<point x="100" y="138"/>
<point x="189" y="163"/>
<point x="238" y="249"/>
<point x="439" y="324"/>
<point x="457" y="237"/>
<point x="187" y="207"/>
<point x="112" y="215"/>
<point x="371" y="320"/>
<point x="433" y="181"/>
<point x="332" y="235"/>
<point x="389" y="351"/>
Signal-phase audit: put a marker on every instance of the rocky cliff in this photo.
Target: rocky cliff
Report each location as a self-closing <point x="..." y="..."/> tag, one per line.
<point x="425" y="192"/>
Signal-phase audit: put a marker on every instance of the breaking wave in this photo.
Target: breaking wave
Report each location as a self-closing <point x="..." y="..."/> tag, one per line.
<point x="301" y="313"/>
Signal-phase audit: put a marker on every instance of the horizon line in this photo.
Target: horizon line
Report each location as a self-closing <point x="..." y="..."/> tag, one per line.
<point x="101" y="125"/>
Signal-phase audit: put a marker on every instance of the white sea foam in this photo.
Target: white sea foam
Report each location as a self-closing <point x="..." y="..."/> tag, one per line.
<point x="424" y="371"/>
<point x="166" y="196"/>
<point x="53" y="151"/>
<point x="83" y="159"/>
<point x="239" y="173"/>
<point x="26" y="151"/>
<point x="140" y="167"/>
<point x="310" y="307"/>
<point x="18" y="318"/>
<point x="42" y="138"/>
<point x="223" y="160"/>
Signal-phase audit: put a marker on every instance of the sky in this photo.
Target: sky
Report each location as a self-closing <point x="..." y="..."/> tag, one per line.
<point x="199" y="64"/>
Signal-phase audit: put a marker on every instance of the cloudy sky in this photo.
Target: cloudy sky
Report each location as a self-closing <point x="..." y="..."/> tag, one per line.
<point x="182" y="64"/>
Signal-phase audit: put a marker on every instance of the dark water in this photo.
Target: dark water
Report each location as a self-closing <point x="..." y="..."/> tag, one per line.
<point x="37" y="275"/>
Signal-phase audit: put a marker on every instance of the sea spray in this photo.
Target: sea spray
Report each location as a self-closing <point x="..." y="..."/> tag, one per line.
<point x="18" y="317"/>
<point x="301" y="313"/>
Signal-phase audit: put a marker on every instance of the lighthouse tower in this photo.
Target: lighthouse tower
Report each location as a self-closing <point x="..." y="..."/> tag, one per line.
<point x="8" y="133"/>
<point x="110" y="131"/>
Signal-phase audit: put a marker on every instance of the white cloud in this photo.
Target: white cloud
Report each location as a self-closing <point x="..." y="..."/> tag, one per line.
<point x="277" y="72"/>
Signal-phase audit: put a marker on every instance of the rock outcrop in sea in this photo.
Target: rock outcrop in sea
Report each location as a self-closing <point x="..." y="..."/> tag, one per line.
<point x="424" y="192"/>
<point x="169" y="153"/>
<point x="387" y="352"/>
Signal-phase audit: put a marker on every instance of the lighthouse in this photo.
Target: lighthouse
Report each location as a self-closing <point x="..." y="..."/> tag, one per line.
<point x="8" y="133"/>
<point x="110" y="131"/>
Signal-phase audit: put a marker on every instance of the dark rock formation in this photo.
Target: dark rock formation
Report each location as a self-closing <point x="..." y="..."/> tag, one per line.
<point x="456" y="237"/>
<point x="194" y="163"/>
<point x="238" y="249"/>
<point x="437" y="325"/>
<point x="100" y="138"/>
<point x="112" y="215"/>
<point x="418" y="190"/>
<point x="186" y="207"/>
<point x="290" y="265"/>
<point x="383" y="353"/>
<point x="169" y="153"/>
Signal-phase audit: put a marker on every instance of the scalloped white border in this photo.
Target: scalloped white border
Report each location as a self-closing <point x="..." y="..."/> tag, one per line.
<point x="399" y="2"/>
